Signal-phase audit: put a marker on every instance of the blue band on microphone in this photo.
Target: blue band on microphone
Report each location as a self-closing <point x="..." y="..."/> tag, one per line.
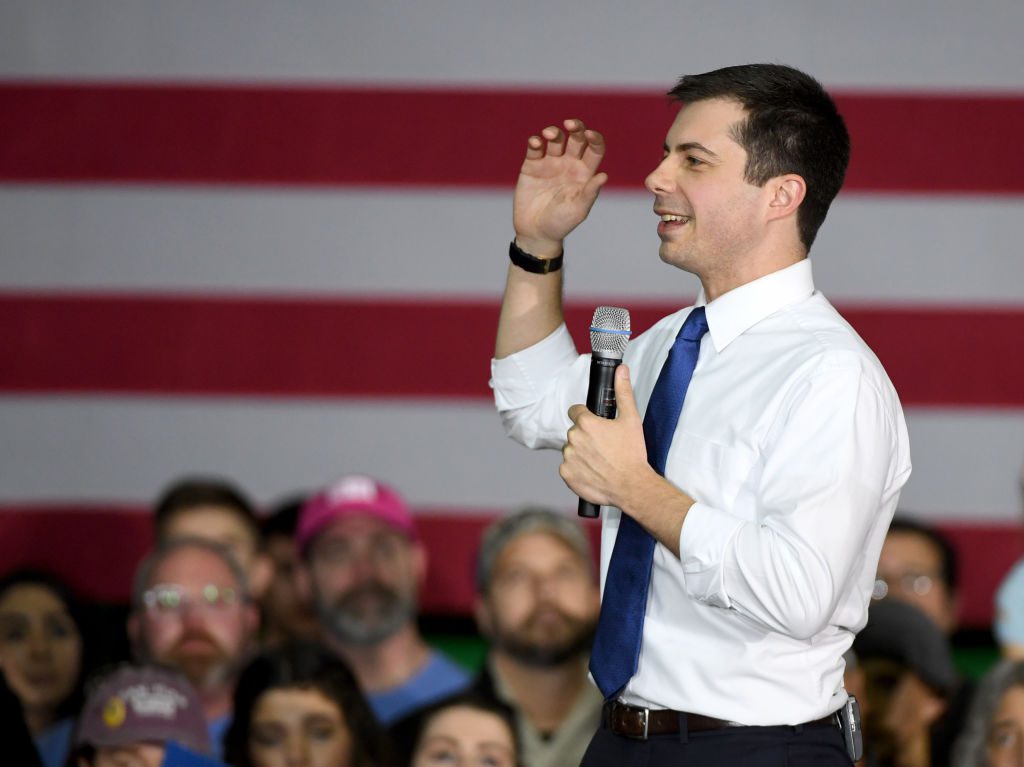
<point x="609" y="331"/>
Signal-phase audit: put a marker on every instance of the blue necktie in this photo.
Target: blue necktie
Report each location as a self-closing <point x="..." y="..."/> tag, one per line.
<point x="620" y="628"/>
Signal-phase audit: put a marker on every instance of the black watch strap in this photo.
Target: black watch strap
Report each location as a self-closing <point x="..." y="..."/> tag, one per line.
<point x="532" y="264"/>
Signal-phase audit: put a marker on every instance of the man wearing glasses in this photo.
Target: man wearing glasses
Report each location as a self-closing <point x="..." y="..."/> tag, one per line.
<point x="191" y="611"/>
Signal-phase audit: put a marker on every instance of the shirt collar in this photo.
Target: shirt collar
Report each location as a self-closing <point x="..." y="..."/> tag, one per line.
<point x="735" y="312"/>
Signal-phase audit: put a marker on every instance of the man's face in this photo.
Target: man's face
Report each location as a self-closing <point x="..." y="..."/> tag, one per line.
<point x="911" y="566"/>
<point x="197" y="620"/>
<point x="220" y="525"/>
<point x="285" y="609"/>
<point x="365" y="577"/>
<point x="701" y="180"/>
<point x="913" y="708"/>
<point x="542" y="603"/>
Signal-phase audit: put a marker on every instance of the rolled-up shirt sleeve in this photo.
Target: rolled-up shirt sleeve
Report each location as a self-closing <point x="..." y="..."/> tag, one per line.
<point x="828" y="462"/>
<point x="534" y="388"/>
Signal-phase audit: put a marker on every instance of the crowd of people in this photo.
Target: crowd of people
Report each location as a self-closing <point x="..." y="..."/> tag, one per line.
<point x="293" y="639"/>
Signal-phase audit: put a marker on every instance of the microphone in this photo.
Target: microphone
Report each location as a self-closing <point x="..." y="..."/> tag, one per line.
<point x="609" y="332"/>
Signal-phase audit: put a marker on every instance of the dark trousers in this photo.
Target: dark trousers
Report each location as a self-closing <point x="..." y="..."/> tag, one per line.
<point x="813" y="746"/>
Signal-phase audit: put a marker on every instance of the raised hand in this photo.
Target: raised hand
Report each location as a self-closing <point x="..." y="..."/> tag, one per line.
<point x="558" y="185"/>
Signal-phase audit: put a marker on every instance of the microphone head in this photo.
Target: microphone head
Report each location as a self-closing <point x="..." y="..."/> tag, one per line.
<point x="609" y="331"/>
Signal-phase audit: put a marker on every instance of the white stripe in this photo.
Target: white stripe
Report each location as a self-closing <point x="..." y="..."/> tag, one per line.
<point x="127" y="449"/>
<point x="448" y="455"/>
<point x="967" y="464"/>
<point x="876" y="43"/>
<point x="427" y="243"/>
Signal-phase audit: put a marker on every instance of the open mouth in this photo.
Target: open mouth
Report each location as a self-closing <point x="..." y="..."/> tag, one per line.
<point x="671" y="221"/>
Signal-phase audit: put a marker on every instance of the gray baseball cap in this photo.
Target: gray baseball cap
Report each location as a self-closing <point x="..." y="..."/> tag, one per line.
<point x="143" y="704"/>
<point x="900" y="632"/>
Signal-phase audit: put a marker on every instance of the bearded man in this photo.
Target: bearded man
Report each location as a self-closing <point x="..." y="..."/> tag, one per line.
<point x="363" y="567"/>
<point x="191" y="611"/>
<point x="538" y="604"/>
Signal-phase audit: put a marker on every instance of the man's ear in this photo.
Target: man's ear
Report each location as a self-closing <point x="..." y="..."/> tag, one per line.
<point x="786" y="194"/>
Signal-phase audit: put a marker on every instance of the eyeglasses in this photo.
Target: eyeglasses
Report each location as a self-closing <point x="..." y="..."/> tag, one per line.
<point x="169" y="599"/>
<point x="909" y="583"/>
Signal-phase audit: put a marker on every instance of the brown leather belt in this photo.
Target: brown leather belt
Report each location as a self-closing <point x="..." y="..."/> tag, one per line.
<point x="636" y="722"/>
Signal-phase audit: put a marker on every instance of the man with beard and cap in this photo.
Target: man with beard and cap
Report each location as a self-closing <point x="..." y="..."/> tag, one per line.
<point x="364" y="566"/>
<point x="191" y="611"/>
<point x="538" y="604"/>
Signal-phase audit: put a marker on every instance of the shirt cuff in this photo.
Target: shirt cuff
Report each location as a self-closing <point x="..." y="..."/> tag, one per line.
<point x="704" y="540"/>
<point x="519" y="379"/>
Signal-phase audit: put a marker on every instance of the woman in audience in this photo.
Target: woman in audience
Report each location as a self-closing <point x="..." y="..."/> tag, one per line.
<point x="993" y="735"/>
<point x="41" y="652"/>
<point x="467" y="731"/>
<point x="301" y="705"/>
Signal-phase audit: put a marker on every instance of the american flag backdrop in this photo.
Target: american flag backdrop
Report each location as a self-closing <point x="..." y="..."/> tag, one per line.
<point x="268" y="240"/>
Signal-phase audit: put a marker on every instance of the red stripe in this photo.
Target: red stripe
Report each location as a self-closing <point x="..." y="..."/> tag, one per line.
<point x="221" y="134"/>
<point x="392" y="348"/>
<point x="118" y="536"/>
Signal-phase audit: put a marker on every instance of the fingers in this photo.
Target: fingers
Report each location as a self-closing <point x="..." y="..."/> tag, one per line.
<point x="576" y="140"/>
<point x="556" y="140"/>
<point x="624" y="398"/>
<point x="534" y="148"/>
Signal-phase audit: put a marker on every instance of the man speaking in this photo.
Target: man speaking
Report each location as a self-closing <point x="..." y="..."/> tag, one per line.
<point x="759" y="448"/>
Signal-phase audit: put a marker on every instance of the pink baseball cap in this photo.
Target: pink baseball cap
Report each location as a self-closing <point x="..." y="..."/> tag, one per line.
<point x="350" y="496"/>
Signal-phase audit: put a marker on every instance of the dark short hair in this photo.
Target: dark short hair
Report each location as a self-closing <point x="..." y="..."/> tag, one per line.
<point x="947" y="554"/>
<point x="792" y="126"/>
<point x="283" y="518"/>
<point x="193" y="492"/>
<point x="305" y="665"/>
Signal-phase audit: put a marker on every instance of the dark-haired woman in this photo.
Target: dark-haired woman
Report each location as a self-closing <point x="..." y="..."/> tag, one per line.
<point x="301" y="705"/>
<point x="41" y="657"/>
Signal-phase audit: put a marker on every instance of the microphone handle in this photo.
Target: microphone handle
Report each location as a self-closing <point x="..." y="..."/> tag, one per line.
<point x="600" y="401"/>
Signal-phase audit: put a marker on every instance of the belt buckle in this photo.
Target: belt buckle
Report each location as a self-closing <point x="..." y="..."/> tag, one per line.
<point x="645" y="718"/>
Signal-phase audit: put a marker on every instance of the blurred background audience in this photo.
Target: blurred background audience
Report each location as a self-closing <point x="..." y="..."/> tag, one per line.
<point x="133" y="713"/>
<point x="918" y="565"/>
<point x="42" y="655"/>
<point x="216" y="510"/>
<point x="191" y="611"/>
<point x="466" y="730"/>
<point x="287" y="612"/>
<point x="345" y="566"/>
<point x="910" y="679"/>
<point x="364" y="567"/>
<point x="993" y="735"/>
<point x="301" y="705"/>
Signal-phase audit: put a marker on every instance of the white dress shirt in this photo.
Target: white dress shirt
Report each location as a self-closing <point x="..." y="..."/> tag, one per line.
<point x="793" y="444"/>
